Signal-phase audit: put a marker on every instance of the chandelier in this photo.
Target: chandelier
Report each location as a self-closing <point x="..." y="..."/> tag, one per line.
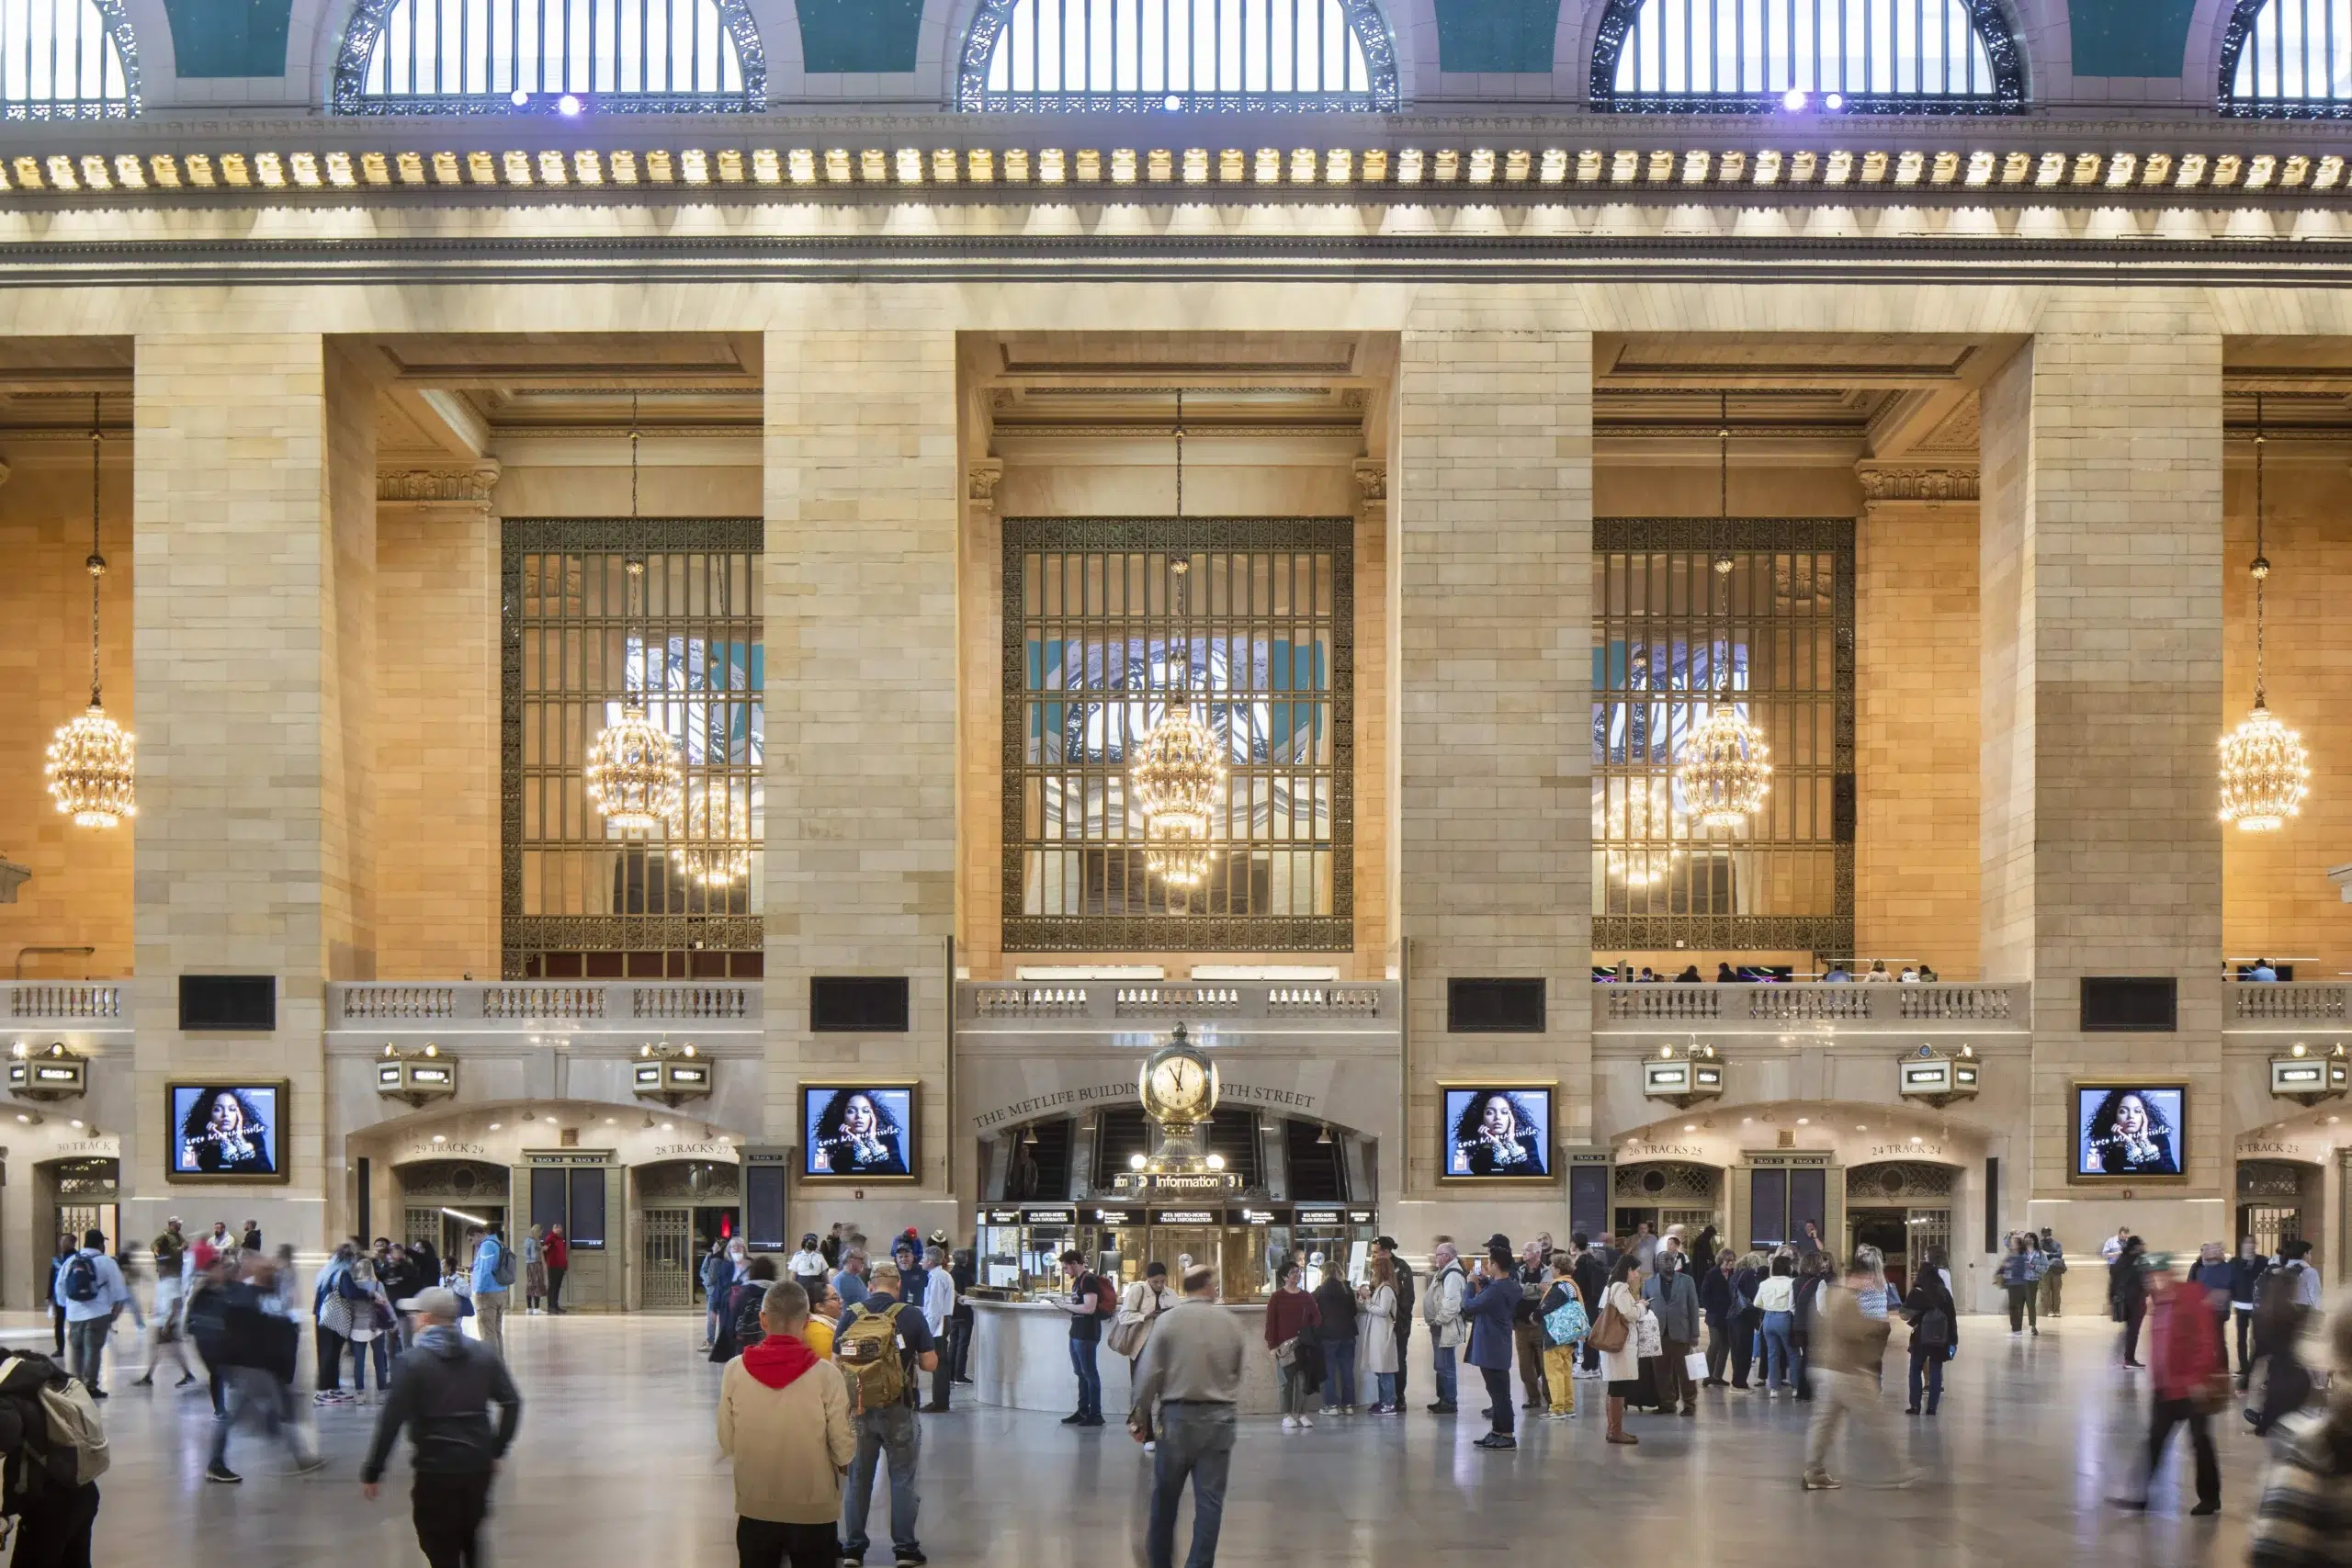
<point x="714" y="854"/>
<point x="1723" y="770"/>
<point x="633" y="775"/>
<point x="2266" y="772"/>
<point x="1643" y="814"/>
<point x="89" y="767"/>
<point x="1178" y="777"/>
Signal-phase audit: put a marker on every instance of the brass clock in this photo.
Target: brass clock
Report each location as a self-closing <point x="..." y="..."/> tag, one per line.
<point x="1178" y="1084"/>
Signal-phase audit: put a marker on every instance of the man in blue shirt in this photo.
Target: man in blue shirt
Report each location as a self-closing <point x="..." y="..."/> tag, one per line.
<point x="89" y="1287"/>
<point x="490" y="1296"/>
<point x="849" y="1284"/>
<point x="1487" y="1306"/>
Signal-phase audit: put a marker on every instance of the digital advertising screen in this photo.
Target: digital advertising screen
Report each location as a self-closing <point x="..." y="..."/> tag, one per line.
<point x="1498" y="1132"/>
<point x="229" y="1131"/>
<point x="2130" y="1130"/>
<point x="858" y="1132"/>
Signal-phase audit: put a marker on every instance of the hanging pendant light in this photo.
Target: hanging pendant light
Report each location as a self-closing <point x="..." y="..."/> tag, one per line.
<point x="1178" y="778"/>
<point x="633" y="774"/>
<point x="90" y="766"/>
<point x="713" y="855"/>
<point x="1723" y="770"/>
<point x="2266" y="772"/>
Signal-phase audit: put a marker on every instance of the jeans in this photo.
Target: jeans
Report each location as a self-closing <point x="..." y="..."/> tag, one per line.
<point x="1780" y="1350"/>
<point x="1195" y="1442"/>
<point x="893" y="1432"/>
<point x="1295" y="1392"/>
<point x="1339" y="1373"/>
<point x="1928" y="1368"/>
<point x="89" y="1340"/>
<point x="1742" y="1335"/>
<point x="1560" y="1371"/>
<point x="360" y="1348"/>
<point x="959" y="1350"/>
<point x="2170" y="1413"/>
<point x="2134" y="1316"/>
<point x="252" y="1391"/>
<point x="1838" y="1395"/>
<point x="1404" y="1352"/>
<point x="1499" y="1400"/>
<point x="449" y="1510"/>
<point x="767" y="1543"/>
<point x="2025" y="1305"/>
<point x="1384" y="1388"/>
<point x="1449" y="1382"/>
<point x="2245" y="1365"/>
<point x="1082" y="1354"/>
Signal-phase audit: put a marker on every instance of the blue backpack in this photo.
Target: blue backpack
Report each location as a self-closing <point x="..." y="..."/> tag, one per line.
<point x="1567" y="1324"/>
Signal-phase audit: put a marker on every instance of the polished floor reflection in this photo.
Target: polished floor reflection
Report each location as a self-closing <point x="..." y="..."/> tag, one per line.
<point x="617" y="1465"/>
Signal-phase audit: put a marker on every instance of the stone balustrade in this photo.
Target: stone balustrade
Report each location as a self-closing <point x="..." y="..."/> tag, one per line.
<point x="2284" y="1002"/>
<point x="1762" y="1009"/>
<point x="1109" y="1001"/>
<point x="66" y="1002"/>
<point x="530" y="1004"/>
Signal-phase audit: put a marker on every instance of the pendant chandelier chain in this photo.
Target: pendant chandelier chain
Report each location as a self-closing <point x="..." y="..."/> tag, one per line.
<point x="96" y="563"/>
<point x="1723" y="514"/>
<point x="2261" y="562"/>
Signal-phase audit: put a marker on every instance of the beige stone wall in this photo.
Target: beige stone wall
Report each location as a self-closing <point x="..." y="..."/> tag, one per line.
<point x="675" y="478"/>
<point x="2276" y="899"/>
<point x="347" y="664"/>
<point x="862" y="524"/>
<point x="1916" y="641"/>
<point x="436" y="738"/>
<point x="242" y="527"/>
<point x="2102" y="612"/>
<point x="1490" y="534"/>
<point x="80" y="890"/>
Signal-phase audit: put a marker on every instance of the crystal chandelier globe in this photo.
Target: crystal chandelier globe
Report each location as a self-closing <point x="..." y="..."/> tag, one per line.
<point x="1724" y="770"/>
<point x="634" y="777"/>
<point x="1178" y="780"/>
<point x="90" y="767"/>
<point x="713" y="855"/>
<point x="2266" y="772"/>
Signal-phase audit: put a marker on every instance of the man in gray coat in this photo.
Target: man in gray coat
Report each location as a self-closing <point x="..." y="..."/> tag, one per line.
<point x="1673" y="1295"/>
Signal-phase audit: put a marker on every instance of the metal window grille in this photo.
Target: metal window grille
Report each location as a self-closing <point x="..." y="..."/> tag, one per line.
<point x="693" y="653"/>
<point x="1178" y="55"/>
<point x="502" y="56"/>
<point x="1671" y="639"/>
<point x="2289" y="59"/>
<point x="67" y="60"/>
<point x="1094" y="650"/>
<point x="1745" y="56"/>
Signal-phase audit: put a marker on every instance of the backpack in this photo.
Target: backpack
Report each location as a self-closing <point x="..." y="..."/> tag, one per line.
<point x="81" y="1278"/>
<point x="69" y="1439"/>
<point x="1567" y="1324"/>
<point x="1106" y="1295"/>
<point x="503" y="1270"/>
<point x="1933" y="1330"/>
<point x="868" y="1348"/>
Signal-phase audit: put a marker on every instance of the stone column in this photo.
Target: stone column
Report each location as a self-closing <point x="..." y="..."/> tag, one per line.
<point x="1491" y="541"/>
<point x="437" y="767"/>
<point x="2102" y="684"/>
<point x="1917" y="638"/>
<point x="863" y="509"/>
<point x="253" y="542"/>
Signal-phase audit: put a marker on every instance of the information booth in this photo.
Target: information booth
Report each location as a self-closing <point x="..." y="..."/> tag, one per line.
<point x="1020" y="1248"/>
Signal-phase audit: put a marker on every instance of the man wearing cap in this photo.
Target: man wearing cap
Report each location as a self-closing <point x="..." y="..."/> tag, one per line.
<point x="1489" y="1302"/>
<point x="806" y="1267"/>
<point x="442" y="1394"/>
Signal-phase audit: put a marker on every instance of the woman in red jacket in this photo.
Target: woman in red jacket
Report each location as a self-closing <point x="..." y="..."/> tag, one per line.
<point x="559" y="1258"/>
<point x="2190" y="1376"/>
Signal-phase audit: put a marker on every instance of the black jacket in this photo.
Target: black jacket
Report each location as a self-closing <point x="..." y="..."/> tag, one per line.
<point x="442" y="1392"/>
<point x="2245" y="1278"/>
<point x="1592" y="1279"/>
<point x="1716" y="1297"/>
<point x="1402" y="1283"/>
<point x="1336" y="1303"/>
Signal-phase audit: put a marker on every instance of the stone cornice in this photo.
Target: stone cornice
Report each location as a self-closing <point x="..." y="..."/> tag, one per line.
<point x="1918" y="482"/>
<point x="452" y="483"/>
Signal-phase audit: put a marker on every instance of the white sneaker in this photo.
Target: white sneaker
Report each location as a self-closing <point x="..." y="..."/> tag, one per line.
<point x="1307" y="1421"/>
<point x="1151" y="1447"/>
<point x="1290" y="1423"/>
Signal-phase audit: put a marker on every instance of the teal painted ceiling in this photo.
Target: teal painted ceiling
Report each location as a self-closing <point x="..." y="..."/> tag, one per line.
<point x="228" y="38"/>
<point x="1496" y="35"/>
<point x="865" y="36"/>
<point x="2129" y="38"/>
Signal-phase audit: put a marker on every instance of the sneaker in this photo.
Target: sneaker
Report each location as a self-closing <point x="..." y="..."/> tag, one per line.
<point x="185" y="1378"/>
<point x="221" y="1473"/>
<point x="1075" y="1419"/>
<point x="147" y="1382"/>
<point x="910" y="1556"/>
<point x="1825" y="1481"/>
<point x="1442" y="1408"/>
<point x="307" y="1464"/>
<point x="1151" y="1447"/>
<point x="853" y="1560"/>
<point x="1559" y="1415"/>
<point x="97" y="1393"/>
<point x="1290" y="1423"/>
<point x="1496" y="1441"/>
<point x="2203" y="1509"/>
<point x="1307" y="1421"/>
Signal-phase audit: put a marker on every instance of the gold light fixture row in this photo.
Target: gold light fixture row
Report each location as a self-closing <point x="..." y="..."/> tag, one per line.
<point x="1402" y="168"/>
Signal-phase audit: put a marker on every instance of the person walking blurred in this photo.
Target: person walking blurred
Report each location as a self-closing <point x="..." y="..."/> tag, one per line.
<point x="2303" y="1518"/>
<point x="2192" y="1381"/>
<point x="2022" y="1285"/>
<point x="2246" y="1270"/>
<point x="1845" y="1348"/>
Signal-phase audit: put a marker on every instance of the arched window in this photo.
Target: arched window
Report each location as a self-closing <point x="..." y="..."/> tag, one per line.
<point x="564" y="57"/>
<point x="1835" y="56"/>
<point x="1141" y="56"/>
<point x="66" y="60"/>
<point x="2288" y="57"/>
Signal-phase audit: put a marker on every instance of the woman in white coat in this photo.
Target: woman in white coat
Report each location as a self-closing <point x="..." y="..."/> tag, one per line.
<point x="1623" y="1366"/>
<point x="1376" y="1340"/>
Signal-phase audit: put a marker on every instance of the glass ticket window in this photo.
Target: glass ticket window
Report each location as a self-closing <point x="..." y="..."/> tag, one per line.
<point x="1115" y="1245"/>
<point x="1335" y="1240"/>
<point x="1020" y="1249"/>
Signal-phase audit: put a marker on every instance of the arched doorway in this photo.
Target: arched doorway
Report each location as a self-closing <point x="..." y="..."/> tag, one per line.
<point x="441" y="1198"/>
<point x="1663" y="1192"/>
<point x="1903" y="1208"/>
<point x="2277" y="1201"/>
<point x="680" y="1208"/>
<point x="78" y="1195"/>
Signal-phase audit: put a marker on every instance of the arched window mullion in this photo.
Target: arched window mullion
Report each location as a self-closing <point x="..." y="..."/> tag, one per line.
<point x="1298" y="55"/>
<point x="77" y="60"/>
<point x="2281" y="61"/>
<point x="1842" y="55"/>
<point x="541" y="56"/>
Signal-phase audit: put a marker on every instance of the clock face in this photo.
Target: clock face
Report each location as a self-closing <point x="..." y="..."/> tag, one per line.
<point x="1178" y="1087"/>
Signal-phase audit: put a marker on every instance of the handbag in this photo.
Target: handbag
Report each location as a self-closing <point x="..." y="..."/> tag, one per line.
<point x="1607" y="1335"/>
<point x="1286" y="1353"/>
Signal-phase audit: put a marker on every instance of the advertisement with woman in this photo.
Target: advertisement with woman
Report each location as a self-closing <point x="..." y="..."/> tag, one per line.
<point x="1498" y="1132"/>
<point x="2129" y="1129"/>
<point x="862" y="1131"/>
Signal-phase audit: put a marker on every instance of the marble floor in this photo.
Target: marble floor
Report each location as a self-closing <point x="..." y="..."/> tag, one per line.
<point x="617" y="1465"/>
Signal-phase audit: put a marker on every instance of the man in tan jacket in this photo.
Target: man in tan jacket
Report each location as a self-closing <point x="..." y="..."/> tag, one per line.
<point x="1843" y="1360"/>
<point x="783" y="1418"/>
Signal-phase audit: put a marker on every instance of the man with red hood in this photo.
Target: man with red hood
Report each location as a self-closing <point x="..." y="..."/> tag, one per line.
<point x="783" y="1418"/>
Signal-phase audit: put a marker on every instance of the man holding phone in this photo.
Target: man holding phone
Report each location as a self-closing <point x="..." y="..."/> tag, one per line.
<point x="1487" y="1306"/>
